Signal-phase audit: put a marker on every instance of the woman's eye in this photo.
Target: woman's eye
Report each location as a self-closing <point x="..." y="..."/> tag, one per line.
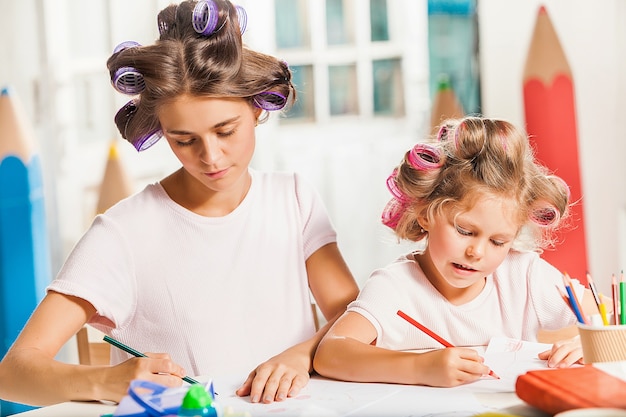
<point x="226" y="134"/>
<point x="185" y="142"/>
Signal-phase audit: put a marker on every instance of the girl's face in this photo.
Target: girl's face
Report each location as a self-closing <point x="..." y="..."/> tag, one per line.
<point x="462" y="251"/>
<point x="213" y="138"/>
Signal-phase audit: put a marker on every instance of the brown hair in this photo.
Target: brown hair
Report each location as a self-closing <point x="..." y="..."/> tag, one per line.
<point x="183" y="61"/>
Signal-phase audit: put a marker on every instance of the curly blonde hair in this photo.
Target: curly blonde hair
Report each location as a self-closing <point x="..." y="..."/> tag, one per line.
<point x="472" y="158"/>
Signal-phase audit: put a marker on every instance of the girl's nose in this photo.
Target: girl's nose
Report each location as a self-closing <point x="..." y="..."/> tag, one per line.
<point x="475" y="250"/>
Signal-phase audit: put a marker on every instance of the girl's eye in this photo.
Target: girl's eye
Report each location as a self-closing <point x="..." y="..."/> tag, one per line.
<point x="497" y="243"/>
<point x="463" y="232"/>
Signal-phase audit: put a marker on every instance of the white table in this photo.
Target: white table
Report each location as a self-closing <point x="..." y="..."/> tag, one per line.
<point x="406" y="401"/>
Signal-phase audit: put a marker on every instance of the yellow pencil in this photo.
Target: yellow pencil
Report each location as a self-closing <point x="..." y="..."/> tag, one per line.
<point x="602" y="308"/>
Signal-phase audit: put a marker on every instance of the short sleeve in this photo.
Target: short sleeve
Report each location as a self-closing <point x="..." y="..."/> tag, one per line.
<point x="99" y="270"/>
<point x="317" y="229"/>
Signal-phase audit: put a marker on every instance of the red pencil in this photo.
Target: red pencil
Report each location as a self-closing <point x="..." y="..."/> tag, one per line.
<point x="550" y="111"/>
<point x="433" y="335"/>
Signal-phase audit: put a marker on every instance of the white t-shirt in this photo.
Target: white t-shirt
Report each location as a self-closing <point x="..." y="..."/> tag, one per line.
<point x="219" y="294"/>
<point x="519" y="298"/>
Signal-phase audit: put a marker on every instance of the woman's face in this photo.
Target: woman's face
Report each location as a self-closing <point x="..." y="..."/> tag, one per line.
<point x="213" y="138"/>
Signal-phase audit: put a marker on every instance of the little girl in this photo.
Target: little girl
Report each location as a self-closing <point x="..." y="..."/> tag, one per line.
<point x="482" y="208"/>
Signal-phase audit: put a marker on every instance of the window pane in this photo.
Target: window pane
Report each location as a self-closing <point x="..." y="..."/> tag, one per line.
<point x="292" y="24"/>
<point x="335" y="22"/>
<point x="342" y="89"/>
<point x="388" y="91"/>
<point x="304" y="107"/>
<point x="378" y="20"/>
<point x="453" y="49"/>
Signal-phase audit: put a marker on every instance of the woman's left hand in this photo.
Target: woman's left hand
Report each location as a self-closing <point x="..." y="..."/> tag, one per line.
<point x="564" y="353"/>
<point x="282" y="376"/>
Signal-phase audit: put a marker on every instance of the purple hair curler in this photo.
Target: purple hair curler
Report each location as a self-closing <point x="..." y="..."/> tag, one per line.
<point x="127" y="80"/>
<point x="125" y="115"/>
<point x="425" y="157"/>
<point x="144" y="142"/>
<point x="205" y="16"/>
<point x="125" y="45"/>
<point x="270" y="101"/>
<point x="242" y="17"/>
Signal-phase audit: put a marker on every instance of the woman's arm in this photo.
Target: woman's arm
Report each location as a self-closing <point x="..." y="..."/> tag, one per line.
<point x="333" y="287"/>
<point x="38" y="379"/>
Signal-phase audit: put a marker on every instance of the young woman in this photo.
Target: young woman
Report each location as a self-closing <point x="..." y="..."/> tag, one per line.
<point x="212" y="268"/>
<point x="481" y="207"/>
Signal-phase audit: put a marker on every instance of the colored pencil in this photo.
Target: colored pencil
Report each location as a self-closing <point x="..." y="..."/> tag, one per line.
<point x="598" y="299"/>
<point x="615" y="294"/>
<point x="573" y="300"/>
<point x="602" y="308"/>
<point x="138" y="354"/>
<point x="550" y="112"/>
<point x="622" y="299"/>
<point x="434" y="335"/>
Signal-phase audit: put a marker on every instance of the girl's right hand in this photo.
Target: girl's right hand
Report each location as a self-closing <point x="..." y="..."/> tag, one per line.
<point x="157" y="368"/>
<point x="451" y="367"/>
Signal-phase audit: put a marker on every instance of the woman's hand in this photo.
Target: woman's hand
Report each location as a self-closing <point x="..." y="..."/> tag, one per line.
<point x="282" y="376"/>
<point x="564" y="353"/>
<point x="157" y="368"/>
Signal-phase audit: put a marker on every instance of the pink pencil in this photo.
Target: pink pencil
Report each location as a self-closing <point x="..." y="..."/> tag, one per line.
<point x="433" y="335"/>
<point x="615" y="300"/>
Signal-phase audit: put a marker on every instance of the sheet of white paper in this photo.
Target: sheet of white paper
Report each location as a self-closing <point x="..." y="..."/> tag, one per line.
<point x="509" y="358"/>
<point x="328" y="398"/>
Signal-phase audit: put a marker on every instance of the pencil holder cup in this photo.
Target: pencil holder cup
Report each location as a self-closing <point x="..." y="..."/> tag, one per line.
<point x="603" y="343"/>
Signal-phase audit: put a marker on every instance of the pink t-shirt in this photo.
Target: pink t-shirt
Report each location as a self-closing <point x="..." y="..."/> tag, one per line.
<point x="219" y="294"/>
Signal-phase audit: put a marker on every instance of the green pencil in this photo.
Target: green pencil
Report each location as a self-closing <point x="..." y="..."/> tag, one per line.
<point x="138" y="354"/>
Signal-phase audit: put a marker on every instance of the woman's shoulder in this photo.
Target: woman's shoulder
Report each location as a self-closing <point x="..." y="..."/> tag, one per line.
<point x="150" y="197"/>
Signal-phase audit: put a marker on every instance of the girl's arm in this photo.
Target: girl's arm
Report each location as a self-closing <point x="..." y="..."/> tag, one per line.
<point x="333" y="287"/>
<point x="346" y="353"/>
<point x="38" y="379"/>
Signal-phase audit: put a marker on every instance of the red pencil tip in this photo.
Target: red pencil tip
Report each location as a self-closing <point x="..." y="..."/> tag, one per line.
<point x="542" y="10"/>
<point x="493" y="374"/>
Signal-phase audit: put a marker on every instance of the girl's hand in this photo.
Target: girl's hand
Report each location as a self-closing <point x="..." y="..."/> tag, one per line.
<point x="282" y="376"/>
<point x="157" y="368"/>
<point x="564" y="353"/>
<point x="450" y="367"/>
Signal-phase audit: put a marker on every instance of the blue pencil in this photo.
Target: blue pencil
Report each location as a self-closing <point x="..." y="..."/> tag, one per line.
<point x="572" y="300"/>
<point x="24" y="247"/>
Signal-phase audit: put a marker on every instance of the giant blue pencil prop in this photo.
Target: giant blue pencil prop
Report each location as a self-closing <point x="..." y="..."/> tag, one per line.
<point x="24" y="246"/>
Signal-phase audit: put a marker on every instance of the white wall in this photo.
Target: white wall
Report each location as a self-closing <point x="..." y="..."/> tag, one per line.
<point x="351" y="174"/>
<point x="594" y="40"/>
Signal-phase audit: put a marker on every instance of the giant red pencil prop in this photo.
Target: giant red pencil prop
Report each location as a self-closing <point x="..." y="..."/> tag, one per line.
<point x="550" y="111"/>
